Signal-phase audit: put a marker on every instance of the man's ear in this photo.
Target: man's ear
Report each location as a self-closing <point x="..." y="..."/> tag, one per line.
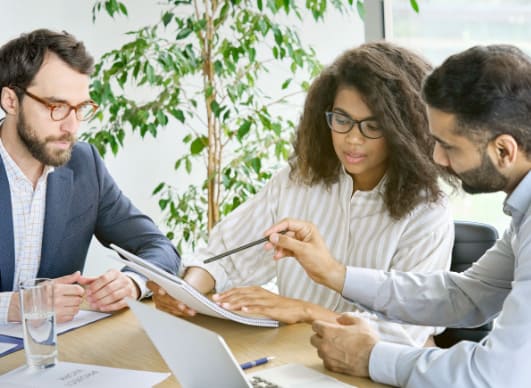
<point x="506" y="149"/>
<point x="9" y="101"/>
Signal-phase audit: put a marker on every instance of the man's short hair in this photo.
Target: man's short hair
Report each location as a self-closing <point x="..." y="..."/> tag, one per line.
<point x="488" y="89"/>
<point x="22" y="57"/>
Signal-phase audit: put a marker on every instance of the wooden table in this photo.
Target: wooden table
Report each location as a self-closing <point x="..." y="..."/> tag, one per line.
<point x="120" y="342"/>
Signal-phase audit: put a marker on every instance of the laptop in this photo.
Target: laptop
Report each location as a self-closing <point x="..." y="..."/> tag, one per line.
<point x="200" y="358"/>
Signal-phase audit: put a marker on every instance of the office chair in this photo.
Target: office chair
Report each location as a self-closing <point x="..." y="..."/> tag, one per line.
<point x="472" y="239"/>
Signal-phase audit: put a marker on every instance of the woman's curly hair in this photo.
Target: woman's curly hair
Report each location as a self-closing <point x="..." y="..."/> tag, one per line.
<point x="389" y="79"/>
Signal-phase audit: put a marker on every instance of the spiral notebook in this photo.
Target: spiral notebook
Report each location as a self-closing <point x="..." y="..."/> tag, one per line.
<point x="182" y="291"/>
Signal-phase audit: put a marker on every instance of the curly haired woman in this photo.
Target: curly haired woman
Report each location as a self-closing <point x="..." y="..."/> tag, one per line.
<point x="361" y="171"/>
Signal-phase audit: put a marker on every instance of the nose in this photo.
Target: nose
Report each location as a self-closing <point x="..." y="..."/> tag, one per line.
<point x="70" y="123"/>
<point x="440" y="156"/>
<point x="354" y="136"/>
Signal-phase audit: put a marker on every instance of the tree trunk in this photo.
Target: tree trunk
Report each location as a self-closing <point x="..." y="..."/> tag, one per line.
<point x="214" y="144"/>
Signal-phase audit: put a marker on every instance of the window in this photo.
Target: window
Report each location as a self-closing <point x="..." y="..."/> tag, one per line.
<point x="445" y="27"/>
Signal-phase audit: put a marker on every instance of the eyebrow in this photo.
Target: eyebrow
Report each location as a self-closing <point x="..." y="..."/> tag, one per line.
<point x="339" y="110"/>
<point x="56" y="100"/>
<point x="439" y="140"/>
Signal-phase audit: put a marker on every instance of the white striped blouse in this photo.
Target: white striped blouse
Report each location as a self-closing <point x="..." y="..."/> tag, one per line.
<point x="357" y="229"/>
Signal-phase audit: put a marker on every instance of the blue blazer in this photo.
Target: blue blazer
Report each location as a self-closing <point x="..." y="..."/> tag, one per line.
<point x="82" y="200"/>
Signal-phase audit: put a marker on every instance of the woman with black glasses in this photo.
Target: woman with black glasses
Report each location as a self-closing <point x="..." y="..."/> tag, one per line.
<point x="361" y="170"/>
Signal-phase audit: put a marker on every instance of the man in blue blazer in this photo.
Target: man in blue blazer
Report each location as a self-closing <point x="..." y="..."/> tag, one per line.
<point x="55" y="194"/>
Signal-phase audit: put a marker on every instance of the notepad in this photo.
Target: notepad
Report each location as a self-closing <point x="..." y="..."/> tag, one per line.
<point x="184" y="292"/>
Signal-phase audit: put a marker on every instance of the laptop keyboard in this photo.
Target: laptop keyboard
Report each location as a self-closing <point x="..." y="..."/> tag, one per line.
<point x="259" y="382"/>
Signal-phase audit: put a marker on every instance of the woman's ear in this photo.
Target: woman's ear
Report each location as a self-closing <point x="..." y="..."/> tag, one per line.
<point x="506" y="149"/>
<point x="9" y="101"/>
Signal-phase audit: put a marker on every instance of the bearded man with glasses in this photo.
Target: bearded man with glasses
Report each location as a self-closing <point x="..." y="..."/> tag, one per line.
<point x="55" y="192"/>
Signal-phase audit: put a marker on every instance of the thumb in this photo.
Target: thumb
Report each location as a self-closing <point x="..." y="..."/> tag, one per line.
<point x="68" y="279"/>
<point x="348" y="319"/>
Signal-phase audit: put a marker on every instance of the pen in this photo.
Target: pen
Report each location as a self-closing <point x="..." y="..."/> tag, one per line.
<point x="260" y="361"/>
<point x="230" y="252"/>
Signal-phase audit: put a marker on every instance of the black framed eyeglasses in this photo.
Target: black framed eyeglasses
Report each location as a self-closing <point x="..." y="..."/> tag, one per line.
<point x="341" y="123"/>
<point x="60" y="110"/>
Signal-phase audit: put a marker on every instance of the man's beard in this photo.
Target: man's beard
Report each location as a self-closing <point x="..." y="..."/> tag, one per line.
<point x="483" y="179"/>
<point x="38" y="148"/>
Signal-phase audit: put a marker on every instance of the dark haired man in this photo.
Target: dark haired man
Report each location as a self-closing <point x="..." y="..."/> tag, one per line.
<point x="55" y="194"/>
<point x="479" y="106"/>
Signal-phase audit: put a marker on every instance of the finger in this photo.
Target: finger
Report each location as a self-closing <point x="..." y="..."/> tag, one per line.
<point x="301" y="229"/>
<point x="235" y="293"/>
<point x="67" y="301"/>
<point x="174" y="307"/>
<point x="236" y="298"/>
<point x="154" y="287"/>
<point x="280" y="253"/>
<point x="68" y="279"/>
<point x="288" y="243"/>
<point x="68" y="290"/>
<point x="113" y="292"/>
<point x="348" y="319"/>
<point x="84" y="280"/>
<point x="316" y="341"/>
<point x="280" y="226"/>
<point x="118" y="305"/>
<point x="330" y="364"/>
<point x="65" y="314"/>
<point x="102" y="281"/>
<point x="265" y="311"/>
<point x="321" y="327"/>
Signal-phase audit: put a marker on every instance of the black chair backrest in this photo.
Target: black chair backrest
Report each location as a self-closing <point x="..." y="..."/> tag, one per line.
<point x="472" y="239"/>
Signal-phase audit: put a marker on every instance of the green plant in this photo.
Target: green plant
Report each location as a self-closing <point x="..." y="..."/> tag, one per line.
<point x="203" y="62"/>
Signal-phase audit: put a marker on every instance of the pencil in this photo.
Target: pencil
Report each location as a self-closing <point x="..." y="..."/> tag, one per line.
<point x="241" y="248"/>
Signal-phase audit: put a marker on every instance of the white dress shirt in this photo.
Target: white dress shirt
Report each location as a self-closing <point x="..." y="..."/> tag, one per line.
<point x="357" y="228"/>
<point x="28" y="206"/>
<point x="497" y="285"/>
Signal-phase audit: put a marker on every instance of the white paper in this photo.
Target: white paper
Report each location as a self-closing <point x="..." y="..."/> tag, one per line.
<point x="82" y="318"/>
<point x="67" y="374"/>
<point x="4" y="347"/>
<point x="182" y="291"/>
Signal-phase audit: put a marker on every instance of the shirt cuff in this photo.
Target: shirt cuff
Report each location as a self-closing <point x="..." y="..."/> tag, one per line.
<point x="383" y="362"/>
<point x="140" y="281"/>
<point x="5" y="300"/>
<point x="362" y="284"/>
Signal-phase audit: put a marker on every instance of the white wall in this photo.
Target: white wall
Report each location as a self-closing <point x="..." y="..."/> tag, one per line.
<point x="142" y="164"/>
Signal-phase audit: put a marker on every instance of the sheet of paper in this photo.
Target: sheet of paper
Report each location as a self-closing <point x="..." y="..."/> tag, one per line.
<point x="82" y="318"/>
<point x="5" y="347"/>
<point x="67" y="374"/>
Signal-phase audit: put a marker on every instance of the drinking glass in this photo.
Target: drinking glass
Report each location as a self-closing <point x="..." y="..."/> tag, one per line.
<point x="38" y="322"/>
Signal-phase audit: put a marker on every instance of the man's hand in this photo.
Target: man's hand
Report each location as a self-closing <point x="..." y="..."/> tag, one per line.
<point x="67" y="299"/>
<point x="345" y="347"/>
<point x="107" y="292"/>
<point x="304" y="242"/>
<point x="67" y="296"/>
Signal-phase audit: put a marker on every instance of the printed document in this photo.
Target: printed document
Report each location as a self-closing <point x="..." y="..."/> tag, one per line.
<point x="82" y="318"/>
<point x="72" y="375"/>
